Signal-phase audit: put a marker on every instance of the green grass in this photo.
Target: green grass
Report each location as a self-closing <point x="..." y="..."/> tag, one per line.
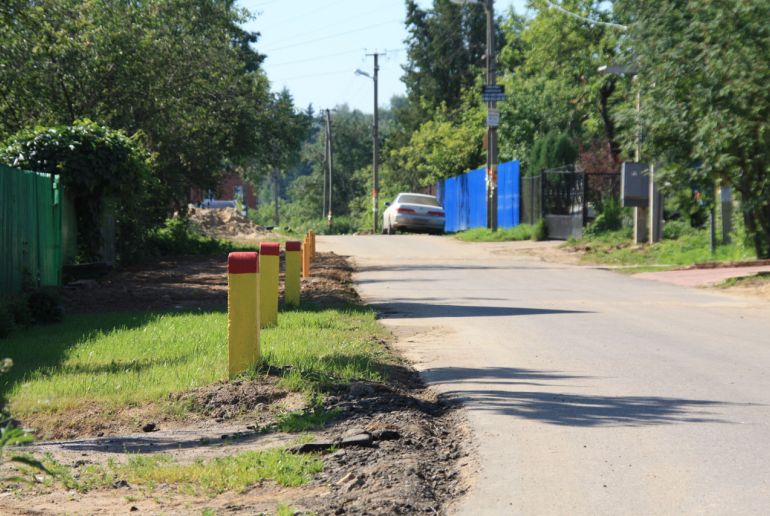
<point x="128" y="359"/>
<point x="212" y="477"/>
<point x="616" y="248"/>
<point x="520" y="232"/>
<point x="755" y="280"/>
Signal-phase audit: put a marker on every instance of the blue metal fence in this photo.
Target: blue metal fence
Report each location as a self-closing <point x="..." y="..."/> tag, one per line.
<point x="464" y="198"/>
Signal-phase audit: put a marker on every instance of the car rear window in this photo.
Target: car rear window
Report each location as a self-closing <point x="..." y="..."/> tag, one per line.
<point x="418" y="199"/>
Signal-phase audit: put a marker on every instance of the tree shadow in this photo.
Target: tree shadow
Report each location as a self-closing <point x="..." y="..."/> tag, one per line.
<point x="566" y="409"/>
<point x="406" y="309"/>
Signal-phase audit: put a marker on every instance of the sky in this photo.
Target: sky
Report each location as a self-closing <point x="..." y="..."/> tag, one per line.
<point x="313" y="47"/>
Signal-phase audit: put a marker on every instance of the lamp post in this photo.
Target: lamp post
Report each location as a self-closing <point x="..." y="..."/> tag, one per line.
<point x="375" y="145"/>
<point x="491" y="66"/>
<point x="652" y="215"/>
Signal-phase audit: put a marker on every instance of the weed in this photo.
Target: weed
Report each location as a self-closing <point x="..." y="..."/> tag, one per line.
<point x="520" y="232"/>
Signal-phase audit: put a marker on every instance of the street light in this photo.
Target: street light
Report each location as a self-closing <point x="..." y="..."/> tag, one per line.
<point x="375" y="144"/>
<point x="491" y="108"/>
<point x="654" y="212"/>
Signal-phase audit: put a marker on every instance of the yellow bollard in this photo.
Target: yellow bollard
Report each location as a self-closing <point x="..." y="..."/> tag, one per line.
<point x="291" y="278"/>
<point x="269" y="254"/>
<point x="242" y="312"/>
<point x="306" y="258"/>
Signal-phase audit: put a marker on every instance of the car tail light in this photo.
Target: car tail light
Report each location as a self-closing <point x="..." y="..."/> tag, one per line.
<point x="405" y="210"/>
<point x="436" y="213"/>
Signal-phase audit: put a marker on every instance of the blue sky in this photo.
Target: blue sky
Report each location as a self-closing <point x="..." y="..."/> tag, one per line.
<point x="314" y="46"/>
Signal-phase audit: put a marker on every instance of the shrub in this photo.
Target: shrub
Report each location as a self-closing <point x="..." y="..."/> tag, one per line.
<point x="540" y="230"/>
<point x="610" y="218"/>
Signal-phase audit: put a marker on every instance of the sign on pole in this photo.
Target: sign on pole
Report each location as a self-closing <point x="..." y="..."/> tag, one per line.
<point x="493" y="93"/>
<point x="493" y="117"/>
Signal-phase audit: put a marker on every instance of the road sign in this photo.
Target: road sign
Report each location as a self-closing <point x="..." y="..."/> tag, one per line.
<point x="493" y="117"/>
<point x="493" y="93"/>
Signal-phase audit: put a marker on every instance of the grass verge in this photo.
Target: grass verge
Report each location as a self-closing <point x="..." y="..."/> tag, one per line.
<point x="212" y="477"/>
<point x="615" y="248"/>
<point x="102" y="363"/>
<point x="520" y="232"/>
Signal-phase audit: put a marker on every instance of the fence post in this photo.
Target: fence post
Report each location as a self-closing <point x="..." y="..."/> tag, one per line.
<point x="585" y="198"/>
<point x="242" y="311"/>
<point x="542" y="194"/>
<point x="291" y="277"/>
<point x="269" y="255"/>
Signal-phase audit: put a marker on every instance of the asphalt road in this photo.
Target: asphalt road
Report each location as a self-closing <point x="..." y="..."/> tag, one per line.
<point x="587" y="392"/>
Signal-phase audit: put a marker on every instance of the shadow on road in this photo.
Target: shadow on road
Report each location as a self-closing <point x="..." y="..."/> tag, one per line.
<point x="418" y="310"/>
<point x="562" y="408"/>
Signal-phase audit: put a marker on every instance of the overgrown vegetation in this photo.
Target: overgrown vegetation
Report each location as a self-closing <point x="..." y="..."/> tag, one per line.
<point x="520" y="232"/>
<point x="690" y="247"/>
<point x="208" y="477"/>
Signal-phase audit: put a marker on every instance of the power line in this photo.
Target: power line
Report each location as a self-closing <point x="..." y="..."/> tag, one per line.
<point x="583" y="18"/>
<point x="332" y="36"/>
<point x="315" y="58"/>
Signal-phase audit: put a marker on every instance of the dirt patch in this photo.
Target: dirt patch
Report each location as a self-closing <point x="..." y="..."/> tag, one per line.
<point x="757" y="286"/>
<point x="176" y="283"/>
<point x="227" y="224"/>
<point x="227" y="400"/>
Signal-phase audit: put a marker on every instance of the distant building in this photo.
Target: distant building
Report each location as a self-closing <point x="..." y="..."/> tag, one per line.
<point x="230" y="187"/>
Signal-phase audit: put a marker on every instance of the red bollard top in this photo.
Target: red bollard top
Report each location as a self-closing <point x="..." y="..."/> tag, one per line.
<point x="270" y="248"/>
<point x="293" y="246"/>
<point x="243" y="263"/>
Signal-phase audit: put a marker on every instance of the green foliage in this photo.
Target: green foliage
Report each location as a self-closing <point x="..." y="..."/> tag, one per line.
<point x="692" y="247"/>
<point x="520" y="232"/>
<point x="95" y="163"/>
<point x="674" y="229"/>
<point x="178" y="237"/>
<point x="609" y="218"/>
<point x="11" y="436"/>
<point x="553" y="150"/>
<point x="703" y="72"/>
<point x="540" y="231"/>
<point x="312" y="418"/>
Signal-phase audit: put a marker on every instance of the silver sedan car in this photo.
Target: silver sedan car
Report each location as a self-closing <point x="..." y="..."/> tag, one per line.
<point x="413" y="212"/>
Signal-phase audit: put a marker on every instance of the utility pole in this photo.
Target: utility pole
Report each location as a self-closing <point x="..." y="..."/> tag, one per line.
<point x="329" y="163"/>
<point x="491" y="129"/>
<point x="375" y="146"/>
<point x="326" y="165"/>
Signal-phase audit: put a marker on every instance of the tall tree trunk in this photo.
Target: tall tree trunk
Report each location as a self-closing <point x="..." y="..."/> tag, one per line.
<point x="607" y="89"/>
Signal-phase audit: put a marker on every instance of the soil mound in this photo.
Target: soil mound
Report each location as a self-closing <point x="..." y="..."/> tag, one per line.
<point x="226" y="223"/>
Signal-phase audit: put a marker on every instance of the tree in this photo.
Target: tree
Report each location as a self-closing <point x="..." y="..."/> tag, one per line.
<point x="181" y="71"/>
<point x="551" y="77"/>
<point x="703" y="72"/>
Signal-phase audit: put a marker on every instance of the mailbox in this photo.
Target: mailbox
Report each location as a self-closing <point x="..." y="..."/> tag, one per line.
<point x="635" y="184"/>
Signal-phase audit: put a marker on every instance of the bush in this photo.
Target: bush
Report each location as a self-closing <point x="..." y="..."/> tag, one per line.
<point x="540" y="230"/>
<point x="610" y="218"/>
<point x="177" y="236"/>
<point x="45" y="306"/>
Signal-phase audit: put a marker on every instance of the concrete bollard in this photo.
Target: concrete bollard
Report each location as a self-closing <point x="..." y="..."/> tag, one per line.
<point x="291" y="278"/>
<point x="242" y="312"/>
<point x="269" y="254"/>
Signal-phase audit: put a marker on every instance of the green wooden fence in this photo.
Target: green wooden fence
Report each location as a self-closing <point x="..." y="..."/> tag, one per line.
<point x="30" y="229"/>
